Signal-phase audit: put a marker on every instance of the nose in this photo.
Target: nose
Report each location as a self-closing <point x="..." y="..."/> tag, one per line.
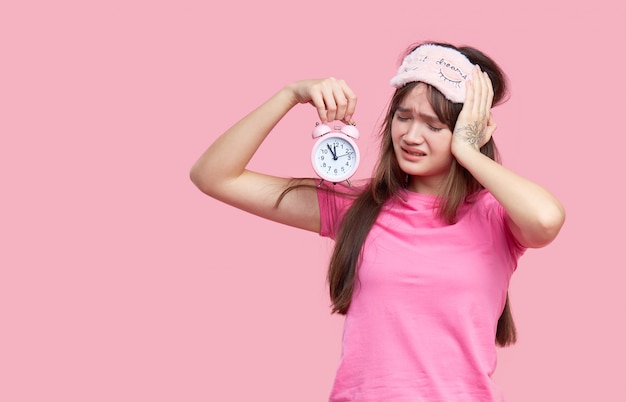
<point x="414" y="135"/>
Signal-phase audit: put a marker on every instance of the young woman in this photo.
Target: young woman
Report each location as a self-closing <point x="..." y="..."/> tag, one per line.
<point x="425" y="250"/>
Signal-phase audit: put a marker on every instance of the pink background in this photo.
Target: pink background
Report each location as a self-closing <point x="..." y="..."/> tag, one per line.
<point x="121" y="282"/>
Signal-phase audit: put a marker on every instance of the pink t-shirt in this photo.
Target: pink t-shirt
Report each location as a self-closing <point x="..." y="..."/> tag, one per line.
<point x="422" y="322"/>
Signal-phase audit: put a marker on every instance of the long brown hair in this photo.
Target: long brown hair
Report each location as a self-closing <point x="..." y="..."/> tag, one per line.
<point x="389" y="179"/>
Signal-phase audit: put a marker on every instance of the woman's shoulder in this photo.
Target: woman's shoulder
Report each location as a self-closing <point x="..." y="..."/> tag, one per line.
<point x="483" y="203"/>
<point x="481" y="197"/>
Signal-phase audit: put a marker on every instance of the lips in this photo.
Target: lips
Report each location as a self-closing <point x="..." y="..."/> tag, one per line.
<point x="414" y="152"/>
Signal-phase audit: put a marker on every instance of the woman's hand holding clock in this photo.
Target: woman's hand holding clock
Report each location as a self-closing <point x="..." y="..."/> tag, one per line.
<point x="334" y="101"/>
<point x="333" y="98"/>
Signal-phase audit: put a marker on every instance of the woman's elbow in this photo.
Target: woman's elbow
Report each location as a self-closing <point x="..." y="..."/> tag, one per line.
<point x="547" y="228"/>
<point x="199" y="179"/>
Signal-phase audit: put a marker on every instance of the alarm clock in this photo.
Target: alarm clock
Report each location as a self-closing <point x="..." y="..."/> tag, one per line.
<point x="335" y="155"/>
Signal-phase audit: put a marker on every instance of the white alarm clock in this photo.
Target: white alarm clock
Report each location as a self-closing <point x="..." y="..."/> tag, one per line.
<point x="335" y="155"/>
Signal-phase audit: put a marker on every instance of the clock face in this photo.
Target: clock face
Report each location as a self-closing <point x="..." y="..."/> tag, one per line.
<point x="335" y="157"/>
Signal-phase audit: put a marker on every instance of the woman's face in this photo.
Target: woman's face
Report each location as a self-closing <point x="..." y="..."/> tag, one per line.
<point x="421" y="142"/>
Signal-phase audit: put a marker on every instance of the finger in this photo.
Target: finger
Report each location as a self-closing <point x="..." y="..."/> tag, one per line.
<point x="469" y="93"/>
<point x="487" y="95"/>
<point x="317" y="101"/>
<point x="484" y="96"/>
<point x="491" y="128"/>
<point x="489" y="100"/>
<point x="329" y="102"/>
<point x="351" y="102"/>
<point x="478" y="91"/>
<point x="341" y="101"/>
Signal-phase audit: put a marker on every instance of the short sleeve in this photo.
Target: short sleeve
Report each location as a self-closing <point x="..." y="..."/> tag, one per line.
<point x="500" y="216"/>
<point x="333" y="203"/>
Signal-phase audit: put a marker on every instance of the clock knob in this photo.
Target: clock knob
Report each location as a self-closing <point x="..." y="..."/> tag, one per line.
<point x="320" y="129"/>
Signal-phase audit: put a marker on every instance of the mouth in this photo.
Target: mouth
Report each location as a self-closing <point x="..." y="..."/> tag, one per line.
<point x="414" y="152"/>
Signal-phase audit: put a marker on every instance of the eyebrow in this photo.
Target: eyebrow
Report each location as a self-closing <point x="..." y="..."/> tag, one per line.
<point x="427" y="117"/>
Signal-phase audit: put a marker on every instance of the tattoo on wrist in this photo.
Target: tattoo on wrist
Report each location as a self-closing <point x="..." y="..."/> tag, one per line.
<point x="473" y="133"/>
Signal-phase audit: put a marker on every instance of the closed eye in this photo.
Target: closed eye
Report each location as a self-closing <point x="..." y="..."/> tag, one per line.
<point x="433" y="128"/>
<point x="402" y="118"/>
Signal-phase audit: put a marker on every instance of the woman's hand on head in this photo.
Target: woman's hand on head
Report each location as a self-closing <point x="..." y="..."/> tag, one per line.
<point x="475" y="124"/>
<point x="333" y="98"/>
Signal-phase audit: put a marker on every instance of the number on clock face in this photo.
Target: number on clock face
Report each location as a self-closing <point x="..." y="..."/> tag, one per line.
<point x="335" y="158"/>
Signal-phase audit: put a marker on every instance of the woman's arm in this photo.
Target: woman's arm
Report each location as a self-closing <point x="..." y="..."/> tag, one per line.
<point x="535" y="215"/>
<point x="221" y="172"/>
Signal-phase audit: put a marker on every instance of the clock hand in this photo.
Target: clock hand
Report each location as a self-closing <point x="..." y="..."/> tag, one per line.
<point x="332" y="152"/>
<point x="346" y="154"/>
